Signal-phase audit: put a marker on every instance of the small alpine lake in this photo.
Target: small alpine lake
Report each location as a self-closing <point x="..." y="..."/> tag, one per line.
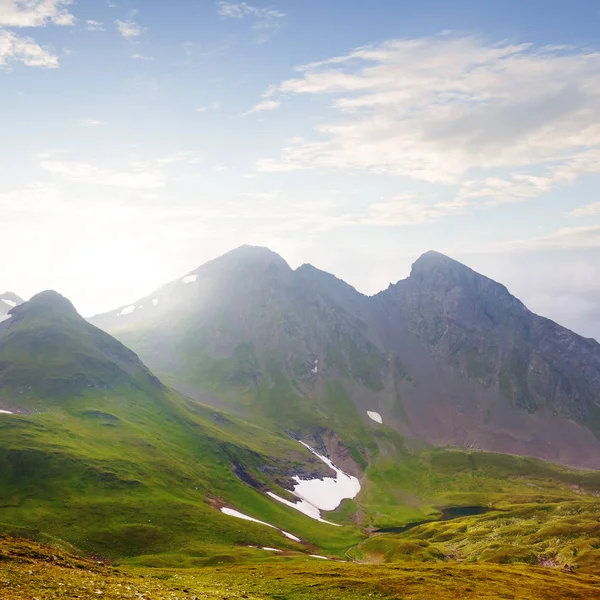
<point x="447" y="514"/>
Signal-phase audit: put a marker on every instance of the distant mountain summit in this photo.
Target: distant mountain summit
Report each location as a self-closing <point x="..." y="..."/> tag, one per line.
<point x="447" y="355"/>
<point x="8" y="301"/>
<point x="49" y="352"/>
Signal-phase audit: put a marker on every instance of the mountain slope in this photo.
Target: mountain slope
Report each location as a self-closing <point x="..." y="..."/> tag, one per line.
<point x="447" y="356"/>
<point x="99" y="453"/>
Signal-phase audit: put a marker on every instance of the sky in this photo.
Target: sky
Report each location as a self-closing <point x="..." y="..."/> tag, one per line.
<point x="140" y="139"/>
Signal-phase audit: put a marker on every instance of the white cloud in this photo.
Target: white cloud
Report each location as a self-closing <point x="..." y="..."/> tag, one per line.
<point x="35" y="13"/>
<point x="14" y="48"/>
<point x="87" y="173"/>
<point x="141" y="57"/>
<point x="139" y="175"/>
<point x="587" y="210"/>
<point x="90" y="122"/>
<point x="264" y="105"/>
<point x="239" y="10"/>
<point x="265" y="20"/>
<point x="407" y="210"/>
<point x="92" y="25"/>
<point x="130" y="29"/>
<point x="453" y="110"/>
<point x="566" y="237"/>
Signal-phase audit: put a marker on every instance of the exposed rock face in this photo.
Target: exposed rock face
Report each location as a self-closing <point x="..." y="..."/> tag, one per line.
<point x="446" y="355"/>
<point x="488" y="336"/>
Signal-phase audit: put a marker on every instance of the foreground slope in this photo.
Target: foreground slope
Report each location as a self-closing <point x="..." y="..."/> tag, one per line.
<point x="29" y="570"/>
<point x="100" y="454"/>
<point x="447" y="356"/>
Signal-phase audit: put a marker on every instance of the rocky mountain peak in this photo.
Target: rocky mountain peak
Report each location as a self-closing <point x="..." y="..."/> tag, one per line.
<point x="247" y="256"/>
<point x="448" y="276"/>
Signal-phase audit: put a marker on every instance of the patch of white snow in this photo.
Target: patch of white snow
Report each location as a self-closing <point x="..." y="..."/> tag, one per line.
<point x="11" y="303"/>
<point x="6" y="412"/>
<point x="234" y="513"/>
<point x="375" y="416"/>
<point x="321" y="494"/>
<point x="317" y="556"/>
<point x="326" y="493"/>
<point x="127" y="310"/>
<point x="304" y="507"/>
<point x="189" y="279"/>
<point x="154" y="301"/>
<point x="4" y="317"/>
<point x="272" y="549"/>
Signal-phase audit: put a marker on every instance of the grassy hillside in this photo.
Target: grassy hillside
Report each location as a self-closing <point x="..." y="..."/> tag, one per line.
<point x="29" y="570"/>
<point x="119" y="476"/>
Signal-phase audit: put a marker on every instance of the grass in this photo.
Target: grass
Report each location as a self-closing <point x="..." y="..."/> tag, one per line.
<point x="30" y="570"/>
<point x="564" y="535"/>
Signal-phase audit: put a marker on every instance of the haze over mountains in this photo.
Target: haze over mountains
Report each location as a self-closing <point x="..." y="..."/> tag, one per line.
<point x="8" y="301"/>
<point x="314" y="421"/>
<point x="447" y="356"/>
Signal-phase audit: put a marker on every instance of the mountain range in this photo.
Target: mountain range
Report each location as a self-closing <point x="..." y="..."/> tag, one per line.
<point x="248" y="408"/>
<point x="447" y="355"/>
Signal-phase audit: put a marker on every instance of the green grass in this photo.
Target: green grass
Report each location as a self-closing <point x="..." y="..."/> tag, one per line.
<point x="29" y="570"/>
<point x="564" y="535"/>
<point x="123" y="475"/>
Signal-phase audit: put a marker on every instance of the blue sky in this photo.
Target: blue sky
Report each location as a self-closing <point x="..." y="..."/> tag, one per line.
<point x="140" y="139"/>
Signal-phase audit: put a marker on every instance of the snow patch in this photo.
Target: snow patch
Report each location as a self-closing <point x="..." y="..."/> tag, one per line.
<point x="272" y="549"/>
<point x="375" y="416"/>
<point x="304" y="507"/>
<point x="321" y="494"/>
<point x="6" y="412"/>
<point x="189" y="279"/>
<point x="290" y="535"/>
<point x="127" y="310"/>
<point x="154" y="301"/>
<point x="315" y="369"/>
<point x="235" y="513"/>
<point x="4" y="317"/>
<point x="317" y="556"/>
<point x="9" y="302"/>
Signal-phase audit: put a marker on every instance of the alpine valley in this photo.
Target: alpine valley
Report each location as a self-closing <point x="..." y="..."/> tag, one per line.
<point x="254" y="431"/>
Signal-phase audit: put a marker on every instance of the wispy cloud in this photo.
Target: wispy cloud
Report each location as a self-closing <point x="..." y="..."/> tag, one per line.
<point x="87" y="173"/>
<point x="130" y="29"/>
<point x="138" y="56"/>
<point x="137" y="175"/>
<point x="587" y="210"/>
<point x="566" y="237"/>
<point x="17" y="49"/>
<point x="501" y="122"/>
<point x="92" y="25"/>
<point x="264" y="105"/>
<point x="35" y="13"/>
<point x="265" y="20"/>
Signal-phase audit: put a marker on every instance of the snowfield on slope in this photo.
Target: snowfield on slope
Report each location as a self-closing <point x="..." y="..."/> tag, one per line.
<point x="321" y="494"/>
<point x="235" y="513"/>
